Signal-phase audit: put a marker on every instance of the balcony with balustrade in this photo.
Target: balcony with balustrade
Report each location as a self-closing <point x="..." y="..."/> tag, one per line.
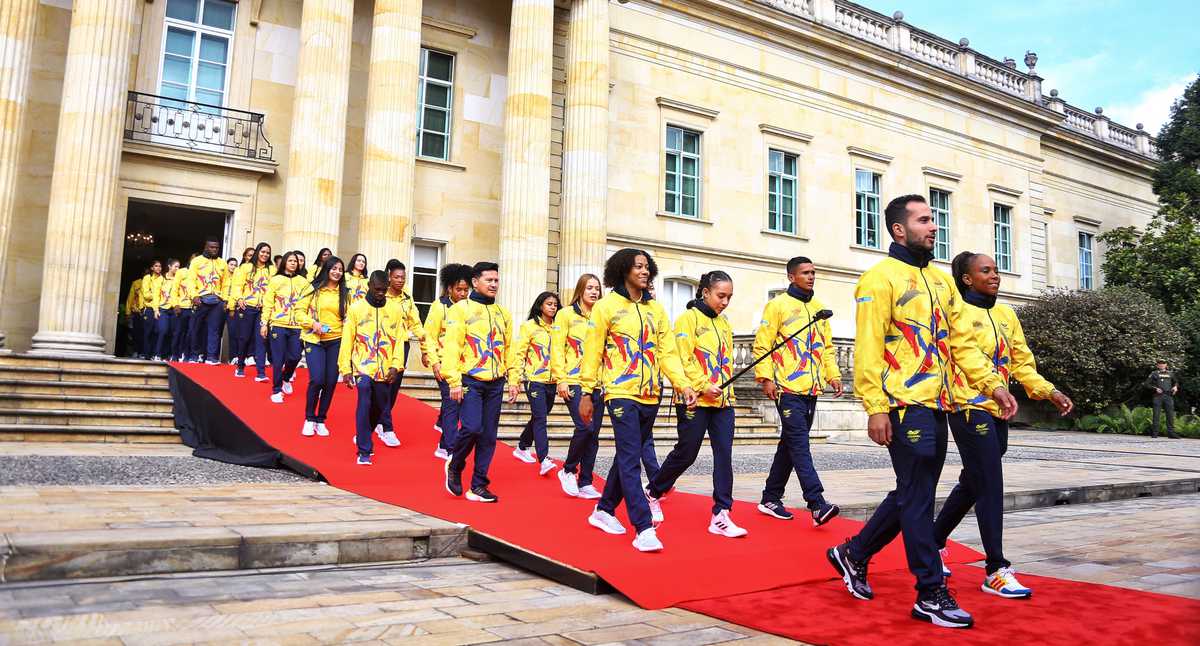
<point x="197" y="132"/>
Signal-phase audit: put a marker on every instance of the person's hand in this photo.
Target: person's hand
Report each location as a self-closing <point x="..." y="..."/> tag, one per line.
<point x="586" y="410"/>
<point x="317" y="327"/>
<point x="392" y="373"/>
<point x="513" y="391"/>
<point x="879" y="428"/>
<point x="1008" y="403"/>
<point x="689" y="398"/>
<point x="713" y="392"/>
<point x="1174" y="389"/>
<point x="241" y="304"/>
<point x="1158" y="391"/>
<point x="769" y="389"/>
<point x="156" y="315"/>
<point x="456" y="393"/>
<point x="838" y="389"/>
<point x="262" y="330"/>
<point x="348" y="380"/>
<point x="196" y="302"/>
<point x="1062" y="403"/>
<point x="175" y="310"/>
<point x="564" y="391"/>
<point x="437" y="372"/>
<point x="425" y="361"/>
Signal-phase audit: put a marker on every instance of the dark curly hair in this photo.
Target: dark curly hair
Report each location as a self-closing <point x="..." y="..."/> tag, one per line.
<point x="620" y="264"/>
<point x="962" y="265"/>
<point x="451" y="274"/>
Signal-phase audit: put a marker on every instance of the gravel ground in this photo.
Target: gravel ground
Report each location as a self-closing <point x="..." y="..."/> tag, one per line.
<point x="133" y="470"/>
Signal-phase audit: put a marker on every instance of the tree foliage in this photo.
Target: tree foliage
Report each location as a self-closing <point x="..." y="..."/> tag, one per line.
<point x="1099" y="346"/>
<point x="1163" y="261"/>
<point x="1176" y="180"/>
<point x="1188" y="322"/>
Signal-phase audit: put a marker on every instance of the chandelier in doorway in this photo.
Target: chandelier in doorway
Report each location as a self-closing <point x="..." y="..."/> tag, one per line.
<point x="139" y="239"/>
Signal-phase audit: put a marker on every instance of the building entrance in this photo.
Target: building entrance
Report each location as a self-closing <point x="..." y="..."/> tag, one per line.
<point x="155" y="231"/>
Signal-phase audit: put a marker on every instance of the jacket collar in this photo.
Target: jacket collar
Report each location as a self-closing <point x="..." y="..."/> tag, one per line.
<point x="445" y="301"/>
<point x="906" y="255"/>
<point x="480" y="298"/>
<point x="620" y="289"/>
<point x="979" y="300"/>
<point x="703" y="308"/>
<point x="804" y="295"/>
<point x="578" y="310"/>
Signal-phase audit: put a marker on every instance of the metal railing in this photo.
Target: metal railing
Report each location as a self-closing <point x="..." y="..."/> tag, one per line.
<point x="196" y="126"/>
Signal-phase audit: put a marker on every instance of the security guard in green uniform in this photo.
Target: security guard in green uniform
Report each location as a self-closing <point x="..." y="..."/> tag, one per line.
<point x="1164" y="384"/>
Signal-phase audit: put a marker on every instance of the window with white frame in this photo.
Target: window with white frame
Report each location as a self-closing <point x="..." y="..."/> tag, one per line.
<point x="1002" y="229"/>
<point x="196" y="50"/>
<point x="424" y="276"/>
<point x="1086" y="241"/>
<point x="682" y="192"/>
<point x="939" y="203"/>
<point x="435" y="96"/>
<point x="782" y="182"/>
<point x="675" y="296"/>
<point x="866" y="208"/>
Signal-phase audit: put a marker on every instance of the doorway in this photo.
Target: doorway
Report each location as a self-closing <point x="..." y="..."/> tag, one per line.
<point x="155" y="231"/>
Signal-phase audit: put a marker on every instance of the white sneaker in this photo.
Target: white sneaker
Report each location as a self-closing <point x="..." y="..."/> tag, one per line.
<point x="942" y="554"/>
<point x="277" y="398"/>
<point x="287" y="387"/>
<point x="588" y="492"/>
<point x="213" y="363"/>
<point x="379" y="429"/>
<point x="647" y="541"/>
<point x="1004" y="583"/>
<point x="570" y="485"/>
<point x="437" y="428"/>
<point x="309" y="429"/>
<point x="523" y="455"/>
<point x="441" y="453"/>
<point x="388" y="438"/>
<point x="722" y="525"/>
<point x="547" y="466"/>
<point x="261" y="378"/>
<point x="656" y="514"/>
<point x="605" y="521"/>
<point x="322" y="430"/>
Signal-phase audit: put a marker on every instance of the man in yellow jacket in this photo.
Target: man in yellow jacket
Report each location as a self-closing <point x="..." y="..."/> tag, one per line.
<point x="369" y="359"/>
<point x="793" y="378"/>
<point x="206" y="280"/>
<point x="910" y="335"/>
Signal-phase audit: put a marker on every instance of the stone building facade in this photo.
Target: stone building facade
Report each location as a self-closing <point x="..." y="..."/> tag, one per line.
<point x="544" y="134"/>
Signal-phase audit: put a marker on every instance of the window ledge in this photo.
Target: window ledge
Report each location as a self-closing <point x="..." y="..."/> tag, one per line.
<point x="441" y="163"/>
<point x="1011" y="274"/>
<point x="871" y="249"/>
<point x="784" y="234"/>
<point x="682" y="218"/>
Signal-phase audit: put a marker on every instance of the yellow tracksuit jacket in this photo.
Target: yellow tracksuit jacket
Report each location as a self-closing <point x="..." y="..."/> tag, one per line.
<point x="322" y="306"/>
<point x="412" y="316"/>
<point x="478" y="343"/>
<point x="357" y="286"/>
<point x="162" y="298"/>
<point x="635" y="345"/>
<point x="996" y="335"/>
<point x="206" y="276"/>
<point x="532" y="352"/>
<point x="280" y="303"/>
<point x="435" y="331"/>
<point x="250" y="284"/>
<point x="909" y="331"/>
<point x="133" y="301"/>
<point x="566" y="347"/>
<point x="705" y="346"/>
<point x="151" y="285"/>
<point x="227" y="290"/>
<point x="371" y="340"/>
<point x="179" y="293"/>
<point x="804" y="365"/>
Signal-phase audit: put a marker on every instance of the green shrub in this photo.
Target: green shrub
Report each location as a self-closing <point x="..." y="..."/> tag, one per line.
<point x="1136" y="421"/>
<point x="1188" y="322"/>
<point x="1099" y="346"/>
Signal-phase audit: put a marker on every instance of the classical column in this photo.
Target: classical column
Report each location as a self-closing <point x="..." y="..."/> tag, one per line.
<point x="312" y="201"/>
<point x="585" y="144"/>
<point x="525" y="197"/>
<point x="17" y="20"/>
<point x="389" y="143"/>
<point x="84" y="187"/>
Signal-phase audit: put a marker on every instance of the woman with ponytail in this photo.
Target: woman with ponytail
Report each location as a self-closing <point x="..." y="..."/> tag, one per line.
<point x="321" y="314"/>
<point x="531" y="363"/>
<point x="566" y="357"/>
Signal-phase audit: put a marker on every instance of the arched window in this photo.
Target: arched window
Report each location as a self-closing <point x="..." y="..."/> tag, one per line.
<point x="675" y="295"/>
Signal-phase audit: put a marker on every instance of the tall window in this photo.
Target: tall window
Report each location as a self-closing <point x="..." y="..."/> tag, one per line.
<point x="1002" y="226"/>
<point x="781" y="192"/>
<point x="675" y="296"/>
<point x="939" y="203"/>
<point x="435" y="97"/>
<point x="683" y="172"/>
<point x="1085" y="260"/>
<point x="196" y="52"/>
<point x="424" y="276"/>
<point x="866" y="208"/>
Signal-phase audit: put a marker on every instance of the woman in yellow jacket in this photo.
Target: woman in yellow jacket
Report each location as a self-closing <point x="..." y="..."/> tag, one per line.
<point x="322" y="256"/>
<point x="979" y="431"/>
<point x="566" y="357"/>
<point x="456" y="284"/>
<point x="165" y="328"/>
<point x="321" y="314"/>
<point x="531" y="364"/>
<point x="631" y="337"/>
<point x="704" y="341"/>
<point x="151" y="284"/>
<point x="357" y="276"/>
<point x="281" y="320"/>
<point x="227" y="291"/>
<point x="249" y="289"/>
<point x="181" y="303"/>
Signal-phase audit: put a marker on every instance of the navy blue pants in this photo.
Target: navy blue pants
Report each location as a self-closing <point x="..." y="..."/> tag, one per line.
<point x="149" y="339"/>
<point x="631" y="421"/>
<point x="480" y="419"/>
<point x="796" y="414"/>
<point x="164" y="333"/>
<point x="183" y="335"/>
<point x="206" y="326"/>
<point x="322" y="360"/>
<point x="285" y="348"/>
<point x="247" y="339"/>
<point x="374" y="403"/>
<point x="693" y="424"/>
<point x="918" y="450"/>
<point x="223" y="327"/>
<point x="394" y="392"/>
<point x="136" y="334"/>
<point x="447" y="418"/>
<point x="541" y="402"/>
<point x="982" y="440"/>
<point x="585" y="441"/>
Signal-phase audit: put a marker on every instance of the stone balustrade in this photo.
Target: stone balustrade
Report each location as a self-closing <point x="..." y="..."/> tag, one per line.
<point x="743" y="354"/>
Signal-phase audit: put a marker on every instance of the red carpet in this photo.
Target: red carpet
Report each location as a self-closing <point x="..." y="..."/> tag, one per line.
<point x="1066" y="613"/>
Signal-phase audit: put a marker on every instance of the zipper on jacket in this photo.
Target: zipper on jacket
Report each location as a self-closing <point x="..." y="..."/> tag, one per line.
<point x="818" y="386"/>
<point x="641" y="346"/>
<point x="996" y="341"/>
<point x="933" y="335"/>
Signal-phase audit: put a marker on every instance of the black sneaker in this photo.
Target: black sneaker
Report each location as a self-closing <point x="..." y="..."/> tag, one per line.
<point x="453" y="481"/>
<point x="824" y="514"/>
<point x="775" y="509"/>
<point x="481" y="494"/>
<point x="854" y="573"/>
<point x="940" y="609"/>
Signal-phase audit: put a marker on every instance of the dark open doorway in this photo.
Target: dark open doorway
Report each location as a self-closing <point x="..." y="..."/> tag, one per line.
<point x="155" y="231"/>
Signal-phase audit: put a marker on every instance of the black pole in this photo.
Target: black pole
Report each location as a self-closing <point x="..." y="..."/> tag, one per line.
<point x="819" y="316"/>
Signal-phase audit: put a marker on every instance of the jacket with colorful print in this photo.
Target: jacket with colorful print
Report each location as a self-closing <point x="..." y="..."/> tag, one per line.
<point x="162" y="297"/>
<point x="704" y="341"/>
<point x="357" y="286"/>
<point x="179" y="292"/>
<point x="634" y="346"/>
<point x="133" y="301"/>
<point x="909" y="332"/>
<point x="566" y="347"/>
<point x="435" y="331"/>
<point x="149" y="291"/>
<point x="478" y="341"/>
<point x="320" y="305"/>
<point x="532" y="352"/>
<point x="284" y="293"/>
<point x="996" y="334"/>
<point x="206" y="276"/>
<point x="227" y="290"/>
<point x="411" y="325"/>
<point x="371" y="340"/>
<point x="805" y="364"/>
<point x="250" y="284"/>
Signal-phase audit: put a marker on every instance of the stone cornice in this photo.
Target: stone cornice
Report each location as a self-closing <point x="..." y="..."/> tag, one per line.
<point x="199" y="157"/>
<point x="1004" y="190"/>
<point x="941" y="174"/>
<point x="855" y="151"/>
<point x="680" y="106"/>
<point x="768" y="129"/>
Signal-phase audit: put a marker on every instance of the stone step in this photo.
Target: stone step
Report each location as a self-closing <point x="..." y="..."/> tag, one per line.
<point x="84" y="433"/>
<point x="81" y="363"/>
<point x="98" y="375"/>
<point x="82" y="388"/>
<point x="25" y="401"/>
<point x="62" y="417"/>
